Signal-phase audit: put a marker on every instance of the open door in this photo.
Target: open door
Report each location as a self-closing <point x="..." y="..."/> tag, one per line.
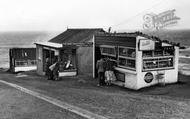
<point x="97" y="57"/>
<point x="47" y="54"/>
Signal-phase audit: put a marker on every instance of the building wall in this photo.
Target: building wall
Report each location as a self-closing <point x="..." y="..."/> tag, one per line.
<point x="85" y="60"/>
<point x="39" y="59"/>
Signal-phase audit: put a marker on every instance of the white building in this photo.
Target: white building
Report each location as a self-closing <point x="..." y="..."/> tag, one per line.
<point x="141" y="60"/>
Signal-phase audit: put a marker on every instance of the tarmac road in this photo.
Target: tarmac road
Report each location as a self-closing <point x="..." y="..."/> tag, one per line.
<point x="15" y="104"/>
<point x="168" y="102"/>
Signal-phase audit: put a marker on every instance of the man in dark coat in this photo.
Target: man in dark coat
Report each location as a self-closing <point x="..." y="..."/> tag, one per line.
<point x="100" y="65"/>
<point x="48" y="71"/>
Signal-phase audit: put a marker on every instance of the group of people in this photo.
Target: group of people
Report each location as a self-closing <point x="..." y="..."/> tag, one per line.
<point x="52" y="69"/>
<point x="105" y="68"/>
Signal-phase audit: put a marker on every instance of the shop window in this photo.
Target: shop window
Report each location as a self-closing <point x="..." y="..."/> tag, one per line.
<point x="157" y="63"/>
<point x="158" y="53"/>
<point x="168" y="52"/>
<point x="127" y="52"/>
<point x="147" y="54"/>
<point x="150" y="64"/>
<point x="22" y="63"/>
<point x="68" y="61"/>
<point x="108" y="50"/>
<point x="126" y="57"/>
<point x="159" y="59"/>
<point x="128" y="63"/>
<point x="165" y="62"/>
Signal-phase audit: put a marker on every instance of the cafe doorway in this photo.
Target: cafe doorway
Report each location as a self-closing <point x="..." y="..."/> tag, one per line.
<point x="48" y="54"/>
<point x="97" y="57"/>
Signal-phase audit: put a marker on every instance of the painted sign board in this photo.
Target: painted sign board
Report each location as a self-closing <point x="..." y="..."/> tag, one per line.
<point x="146" y="44"/>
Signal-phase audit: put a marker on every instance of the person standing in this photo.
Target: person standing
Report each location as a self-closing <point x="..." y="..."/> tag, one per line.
<point x="109" y="72"/>
<point x="55" y="68"/>
<point x="100" y="67"/>
<point x="56" y="71"/>
<point x="48" y="71"/>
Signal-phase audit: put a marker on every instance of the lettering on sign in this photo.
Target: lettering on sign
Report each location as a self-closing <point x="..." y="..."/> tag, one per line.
<point x="146" y="44"/>
<point x="160" y="21"/>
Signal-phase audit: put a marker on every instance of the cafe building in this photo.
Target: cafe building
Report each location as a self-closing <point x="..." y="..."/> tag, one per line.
<point x="73" y="48"/>
<point x="141" y="60"/>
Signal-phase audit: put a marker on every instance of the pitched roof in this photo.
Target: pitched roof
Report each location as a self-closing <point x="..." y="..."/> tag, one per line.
<point x="76" y="35"/>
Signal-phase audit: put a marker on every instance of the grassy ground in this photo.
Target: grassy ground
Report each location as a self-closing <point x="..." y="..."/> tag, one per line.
<point x="158" y="102"/>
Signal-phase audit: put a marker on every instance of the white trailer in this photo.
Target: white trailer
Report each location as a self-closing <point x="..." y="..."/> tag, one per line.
<point x="142" y="61"/>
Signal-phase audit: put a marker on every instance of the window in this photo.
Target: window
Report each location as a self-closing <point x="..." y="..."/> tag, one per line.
<point x="21" y="63"/>
<point x="158" y="59"/>
<point x="147" y="54"/>
<point x="127" y="62"/>
<point x="165" y="62"/>
<point x="157" y="63"/>
<point x="127" y="57"/>
<point x="158" y="53"/>
<point x="108" y="50"/>
<point x="67" y="60"/>
<point x="150" y="63"/>
<point x="126" y="52"/>
<point x="123" y="56"/>
<point x="168" y="51"/>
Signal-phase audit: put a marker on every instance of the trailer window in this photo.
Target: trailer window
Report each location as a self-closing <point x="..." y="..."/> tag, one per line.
<point x="158" y="63"/>
<point x="127" y="57"/>
<point x="108" y="50"/>
<point x="162" y="58"/>
<point x="127" y="62"/>
<point x="126" y="52"/>
<point x="165" y="51"/>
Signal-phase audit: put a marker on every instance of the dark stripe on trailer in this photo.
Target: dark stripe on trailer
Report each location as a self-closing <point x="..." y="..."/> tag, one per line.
<point x="116" y="41"/>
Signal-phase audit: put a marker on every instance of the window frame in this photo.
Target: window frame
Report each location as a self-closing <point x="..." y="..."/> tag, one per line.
<point x="107" y="54"/>
<point x="127" y="58"/>
<point x="18" y="63"/>
<point x="157" y="59"/>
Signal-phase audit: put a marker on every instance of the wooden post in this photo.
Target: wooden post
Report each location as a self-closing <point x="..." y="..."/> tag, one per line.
<point x="93" y="41"/>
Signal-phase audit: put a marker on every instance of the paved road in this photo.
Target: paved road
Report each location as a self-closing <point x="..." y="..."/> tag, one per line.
<point x="169" y="102"/>
<point x="15" y="104"/>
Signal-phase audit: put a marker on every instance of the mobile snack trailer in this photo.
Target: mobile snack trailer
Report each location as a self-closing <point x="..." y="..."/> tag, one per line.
<point x="141" y="60"/>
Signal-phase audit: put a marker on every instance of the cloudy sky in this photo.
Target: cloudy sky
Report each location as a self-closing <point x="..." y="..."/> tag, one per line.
<point x="57" y="15"/>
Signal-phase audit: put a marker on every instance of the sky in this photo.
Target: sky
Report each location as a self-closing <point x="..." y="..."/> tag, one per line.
<point x="58" y="15"/>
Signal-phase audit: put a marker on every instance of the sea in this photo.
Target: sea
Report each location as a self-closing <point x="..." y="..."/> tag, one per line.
<point x="15" y="39"/>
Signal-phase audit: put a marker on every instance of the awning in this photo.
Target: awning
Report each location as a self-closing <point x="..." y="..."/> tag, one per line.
<point x="49" y="44"/>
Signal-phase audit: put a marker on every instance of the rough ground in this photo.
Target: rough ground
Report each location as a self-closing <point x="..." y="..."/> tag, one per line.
<point x="159" y="102"/>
